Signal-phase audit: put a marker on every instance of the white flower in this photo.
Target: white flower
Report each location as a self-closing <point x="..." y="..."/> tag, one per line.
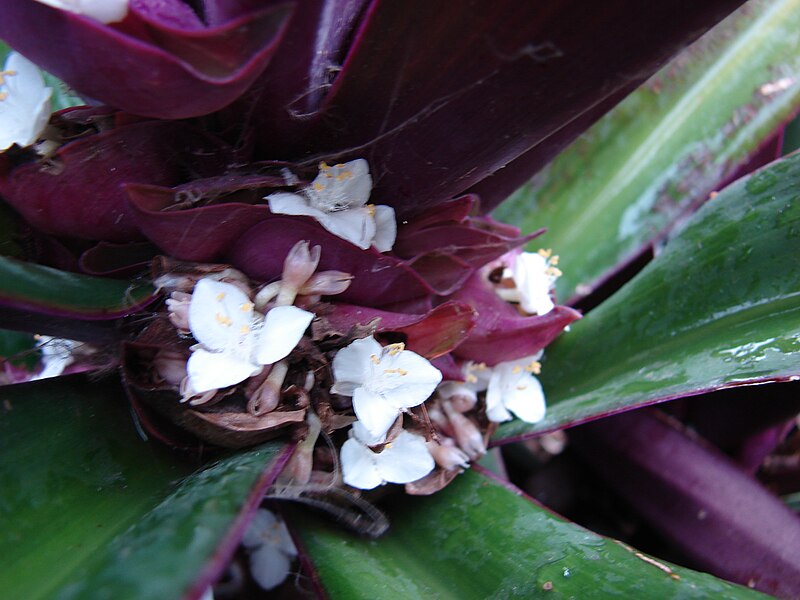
<point x="534" y="274"/>
<point x="337" y="198"/>
<point x="24" y="102"/>
<point x="382" y="381"/>
<point x="236" y="340"/>
<point x="57" y="355"/>
<point x="512" y="387"/>
<point x="404" y="459"/>
<point x="271" y="549"/>
<point x="105" y="11"/>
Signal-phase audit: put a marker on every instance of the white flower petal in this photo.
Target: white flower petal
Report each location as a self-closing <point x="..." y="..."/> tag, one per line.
<point x="373" y="411"/>
<point x="495" y="409"/>
<point x="341" y="186"/>
<point x="525" y="398"/>
<point x="257" y="532"/>
<point x="351" y="364"/>
<point x="216" y="370"/>
<point x="363" y="435"/>
<point x="105" y="11"/>
<point x="406" y="459"/>
<point x="385" y="228"/>
<point x="356" y="225"/>
<point x="533" y="282"/>
<point x="25" y="110"/>
<point x="270" y="567"/>
<point x="358" y="466"/>
<point x="284" y="203"/>
<point x="407" y="379"/>
<point x="283" y="328"/>
<point x="220" y="315"/>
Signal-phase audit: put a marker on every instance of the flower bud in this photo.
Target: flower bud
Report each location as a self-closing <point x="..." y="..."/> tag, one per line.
<point x="170" y="366"/>
<point x="266" y="294"/>
<point x="178" y="307"/>
<point x="298" y="469"/>
<point x="447" y="455"/>
<point x="327" y="283"/>
<point x="298" y="267"/>
<point x="267" y="396"/>
<point x="467" y="434"/>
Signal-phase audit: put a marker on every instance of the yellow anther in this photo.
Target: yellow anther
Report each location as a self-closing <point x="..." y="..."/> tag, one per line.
<point x="220" y="296"/>
<point x="553" y="272"/>
<point x="318" y="187"/>
<point x="516" y="370"/>
<point x="323" y="166"/>
<point x="3" y="96"/>
<point x="400" y="372"/>
<point x="344" y="175"/>
<point x="481" y="366"/>
<point x="534" y="367"/>
<point x="375" y="359"/>
<point x="371" y="209"/>
<point x="4" y="74"/>
<point x="545" y="253"/>
<point x="244" y="330"/>
<point x="395" y="349"/>
<point x="246" y="307"/>
<point x="554" y="260"/>
<point x="471" y="378"/>
<point x="223" y="319"/>
<point x="388" y="445"/>
<point x="340" y="166"/>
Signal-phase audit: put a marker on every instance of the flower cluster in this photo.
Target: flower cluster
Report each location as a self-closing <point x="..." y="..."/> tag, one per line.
<point x="310" y="307"/>
<point x="400" y="393"/>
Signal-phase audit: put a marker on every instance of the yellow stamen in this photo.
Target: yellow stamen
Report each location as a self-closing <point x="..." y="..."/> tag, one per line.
<point x="395" y="349"/>
<point x="553" y="272"/>
<point x="471" y="378"/>
<point x="371" y="209"/>
<point x="400" y="372"/>
<point x="220" y="296"/>
<point x="3" y="96"/>
<point x="323" y="166"/>
<point x="534" y="367"/>
<point x="344" y="175"/>
<point x="340" y="166"/>
<point x="375" y="359"/>
<point x="223" y="319"/>
<point x="554" y="260"/>
<point x="4" y="74"/>
<point x="244" y="330"/>
<point x="319" y="187"/>
<point x="246" y="307"/>
<point x="516" y="370"/>
<point x="545" y="253"/>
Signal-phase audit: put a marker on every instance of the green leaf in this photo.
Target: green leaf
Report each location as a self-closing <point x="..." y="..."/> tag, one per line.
<point x="480" y="539"/>
<point x="666" y="147"/>
<point x="36" y="288"/>
<point x="90" y="510"/>
<point x="719" y="307"/>
<point x="18" y="348"/>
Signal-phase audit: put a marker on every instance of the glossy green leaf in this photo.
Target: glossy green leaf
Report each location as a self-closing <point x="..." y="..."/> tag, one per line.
<point x="480" y="539"/>
<point x="719" y="307"/>
<point x="90" y="510"/>
<point x="33" y="287"/>
<point x="625" y="181"/>
<point x="18" y="348"/>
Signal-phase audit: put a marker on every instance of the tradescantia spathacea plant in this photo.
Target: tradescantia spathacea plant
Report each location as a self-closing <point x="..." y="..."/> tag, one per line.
<point x="267" y="237"/>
